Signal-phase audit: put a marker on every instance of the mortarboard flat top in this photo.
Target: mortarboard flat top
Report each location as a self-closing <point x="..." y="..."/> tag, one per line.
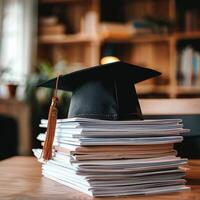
<point x="116" y="70"/>
<point x="104" y="91"/>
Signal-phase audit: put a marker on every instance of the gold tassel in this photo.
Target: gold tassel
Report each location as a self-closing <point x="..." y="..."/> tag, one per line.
<point x="50" y="133"/>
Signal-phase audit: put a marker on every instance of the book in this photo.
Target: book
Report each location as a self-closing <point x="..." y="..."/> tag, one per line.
<point x="116" y="158"/>
<point x="52" y="30"/>
<point x="48" y="21"/>
<point x="120" y="30"/>
<point x="103" y="178"/>
<point x="189" y="67"/>
<point x="191" y="20"/>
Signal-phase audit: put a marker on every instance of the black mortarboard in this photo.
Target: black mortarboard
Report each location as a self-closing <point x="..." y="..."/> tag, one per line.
<point x="105" y="91"/>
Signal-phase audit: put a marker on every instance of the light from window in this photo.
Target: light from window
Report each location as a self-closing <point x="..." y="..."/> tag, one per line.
<point x="12" y="49"/>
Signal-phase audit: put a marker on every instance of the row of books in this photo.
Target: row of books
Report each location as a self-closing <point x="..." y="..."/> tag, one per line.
<point x="116" y="158"/>
<point x="142" y="26"/>
<point x="192" y="20"/>
<point x="152" y="24"/>
<point x="50" y="27"/>
<point x="189" y="67"/>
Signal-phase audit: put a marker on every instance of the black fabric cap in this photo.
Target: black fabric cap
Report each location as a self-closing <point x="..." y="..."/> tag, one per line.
<point x="104" y="91"/>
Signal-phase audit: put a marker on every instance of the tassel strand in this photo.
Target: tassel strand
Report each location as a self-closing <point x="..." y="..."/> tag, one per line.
<point x="51" y="126"/>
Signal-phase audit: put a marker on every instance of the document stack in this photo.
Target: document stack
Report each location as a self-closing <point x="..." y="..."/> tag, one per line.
<point x="115" y="158"/>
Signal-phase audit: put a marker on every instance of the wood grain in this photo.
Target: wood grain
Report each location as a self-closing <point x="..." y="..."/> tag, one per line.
<point x="170" y="106"/>
<point x="20" y="179"/>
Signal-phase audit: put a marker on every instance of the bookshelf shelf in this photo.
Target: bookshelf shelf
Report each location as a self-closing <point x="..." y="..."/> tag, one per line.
<point x="187" y="35"/>
<point x="154" y="37"/>
<point x="67" y="39"/>
<point x="138" y="39"/>
<point x="188" y="90"/>
<point x="151" y="38"/>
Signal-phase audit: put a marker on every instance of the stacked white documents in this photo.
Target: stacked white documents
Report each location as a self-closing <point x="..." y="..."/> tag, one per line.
<point x="114" y="158"/>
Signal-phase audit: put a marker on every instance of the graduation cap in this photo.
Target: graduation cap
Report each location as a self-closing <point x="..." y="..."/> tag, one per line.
<point x="101" y="92"/>
<point x="105" y="91"/>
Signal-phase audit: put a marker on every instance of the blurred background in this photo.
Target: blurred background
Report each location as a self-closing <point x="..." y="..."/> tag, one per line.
<point x="44" y="38"/>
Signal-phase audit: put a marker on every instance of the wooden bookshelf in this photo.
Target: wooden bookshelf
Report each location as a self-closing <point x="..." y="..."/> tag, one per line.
<point x="85" y="42"/>
<point x="187" y="35"/>
<point x="139" y="39"/>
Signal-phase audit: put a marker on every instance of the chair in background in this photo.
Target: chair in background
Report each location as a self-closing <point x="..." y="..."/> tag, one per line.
<point x="8" y="137"/>
<point x="186" y="109"/>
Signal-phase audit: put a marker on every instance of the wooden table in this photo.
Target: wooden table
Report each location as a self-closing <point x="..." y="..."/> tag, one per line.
<point x="20" y="179"/>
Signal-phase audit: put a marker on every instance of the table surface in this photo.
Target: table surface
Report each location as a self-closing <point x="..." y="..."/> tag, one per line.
<point x="20" y="179"/>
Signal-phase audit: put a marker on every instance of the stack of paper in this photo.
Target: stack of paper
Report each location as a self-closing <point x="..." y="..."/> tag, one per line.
<point x="113" y="158"/>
